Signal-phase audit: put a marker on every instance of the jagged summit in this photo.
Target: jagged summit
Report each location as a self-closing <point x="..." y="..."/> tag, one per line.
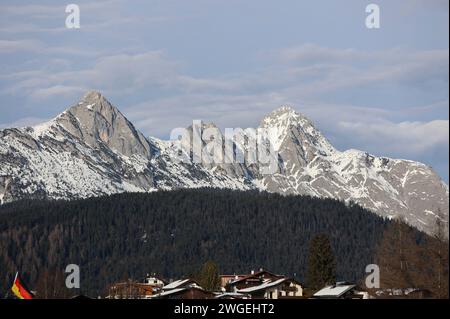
<point x="289" y="126"/>
<point x="91" y="149"/>
<point x="91" y="102"/>
<point x="95" y="122"/>
<point x="92" y="96"/>
<point x="95" y="102"/>
<point x="284" y="109"/>
<point x="283" y="113"/>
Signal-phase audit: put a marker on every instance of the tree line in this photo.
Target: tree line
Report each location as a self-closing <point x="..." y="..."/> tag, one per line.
<point x="173" y="233"/>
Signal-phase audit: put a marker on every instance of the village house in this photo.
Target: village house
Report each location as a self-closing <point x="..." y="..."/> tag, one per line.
<point x="264" y="284"/>
<point x="155" y="281"/>
<point x="183" y="289"/>
<point x="275" y="289"/>
<point x="226" y="279"/>
<point x="251" y="280"/>
<point x="136" y="290"/>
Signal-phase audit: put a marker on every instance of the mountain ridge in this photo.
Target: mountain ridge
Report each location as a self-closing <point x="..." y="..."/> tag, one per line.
<point x="91" y="149"/>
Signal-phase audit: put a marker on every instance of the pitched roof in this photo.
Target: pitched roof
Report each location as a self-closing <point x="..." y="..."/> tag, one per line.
<point x="334" y="290"/>
<point x="265" y="285"/>
<point x="168" y="292"/>
<point x="255" y="275"/>
<point x="178" y="284"/>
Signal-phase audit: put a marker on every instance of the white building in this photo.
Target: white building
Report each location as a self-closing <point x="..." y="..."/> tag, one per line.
<point x="275" y="289"/>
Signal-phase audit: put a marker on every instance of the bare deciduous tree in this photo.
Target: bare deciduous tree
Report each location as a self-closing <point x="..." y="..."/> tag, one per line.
<point x="409" y="259"/>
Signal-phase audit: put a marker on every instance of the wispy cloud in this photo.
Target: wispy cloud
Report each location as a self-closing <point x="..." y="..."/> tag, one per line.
<point x="12" y="46"/>
<point x="165" y="63"/>
<point x="23" y="122"/>
<point x="404" y="138"/>
<point x="97" y="17"/>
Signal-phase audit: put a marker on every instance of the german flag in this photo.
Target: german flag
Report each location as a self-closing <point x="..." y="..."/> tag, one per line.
<point x="20" y="290"/>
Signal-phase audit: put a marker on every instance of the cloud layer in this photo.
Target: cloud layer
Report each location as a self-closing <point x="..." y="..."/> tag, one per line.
<point x="168" y="64"/>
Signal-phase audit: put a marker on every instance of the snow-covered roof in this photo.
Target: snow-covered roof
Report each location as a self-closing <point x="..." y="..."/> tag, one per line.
<point x="176" y="290"/>
<point x="231" y="294"/>
<point x="253" y="275"/>
<point x="265" y="285"/>
<point x="175" y="284"/>
<point x="334" y="291"/>
<point x="168" y="292"/>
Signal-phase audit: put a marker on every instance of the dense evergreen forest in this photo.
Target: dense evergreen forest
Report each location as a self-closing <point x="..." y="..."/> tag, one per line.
<point x="173" y="233"/>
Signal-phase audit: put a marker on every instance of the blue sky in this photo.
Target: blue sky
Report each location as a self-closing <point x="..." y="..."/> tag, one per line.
<point x="166" y="62"/>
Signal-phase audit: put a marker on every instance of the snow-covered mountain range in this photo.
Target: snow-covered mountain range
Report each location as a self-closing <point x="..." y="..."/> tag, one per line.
<point x="91" y="149"/>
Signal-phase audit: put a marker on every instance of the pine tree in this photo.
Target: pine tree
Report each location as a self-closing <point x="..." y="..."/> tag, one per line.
<point x="321" y="263"/>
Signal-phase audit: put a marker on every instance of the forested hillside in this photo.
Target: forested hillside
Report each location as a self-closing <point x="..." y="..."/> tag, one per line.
<point x="174" y="233"/>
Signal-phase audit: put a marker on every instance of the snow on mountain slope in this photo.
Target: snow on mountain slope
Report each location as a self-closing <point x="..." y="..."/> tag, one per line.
<point x="92" y="149"/>
<point x="390" y="187"/>
<point x="88" y="150"/>
<point x="310" y="165"/>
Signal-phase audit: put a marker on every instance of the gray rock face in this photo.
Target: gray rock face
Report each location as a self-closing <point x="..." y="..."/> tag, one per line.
<point x="89" y="150"/>
<point x="95" y="121"/>
<point x="392" y="188"/>
<point x="92" y="149"/>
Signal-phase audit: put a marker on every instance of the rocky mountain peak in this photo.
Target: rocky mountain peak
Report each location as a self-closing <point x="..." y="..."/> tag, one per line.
<point x="97" y="122"/>
<point x="283" y="115"/>
<point x="286" y="125"/>
<point x="92" y="149"/>
<point x="92" y="96"/>
<point x="95" y="102"/>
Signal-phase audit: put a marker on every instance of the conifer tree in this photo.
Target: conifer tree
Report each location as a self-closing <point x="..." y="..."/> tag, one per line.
<point x="321" y="263"/>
